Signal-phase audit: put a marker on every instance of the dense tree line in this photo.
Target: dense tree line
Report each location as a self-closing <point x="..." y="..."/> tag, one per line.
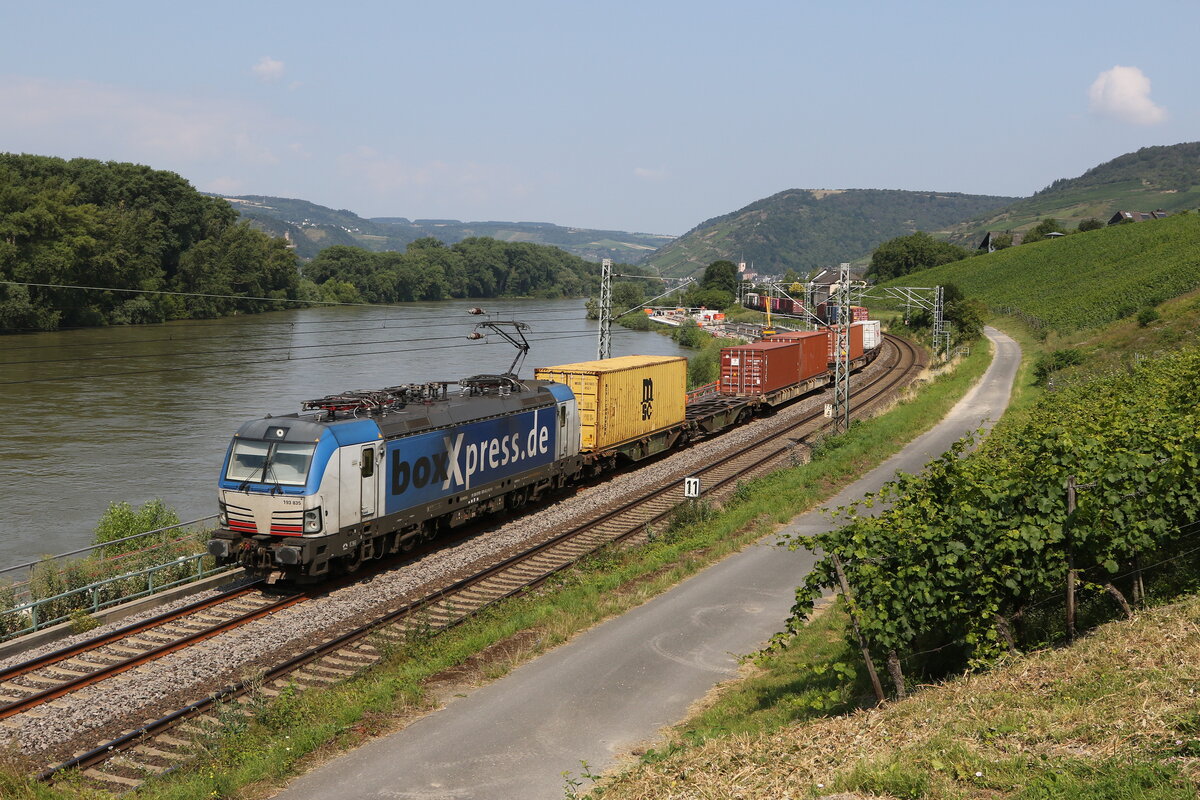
<point x="126" y="226"/>
<point x="430" y="270"/>
<point x="917" y="251"/>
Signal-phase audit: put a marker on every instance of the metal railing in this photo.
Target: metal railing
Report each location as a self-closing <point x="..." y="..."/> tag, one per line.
<point x="92" y="598"/>
<point x="86" y="581"/>
<point x="92" y="548"/>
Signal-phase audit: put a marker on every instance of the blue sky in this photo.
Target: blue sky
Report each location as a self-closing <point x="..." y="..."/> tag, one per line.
<point x="647" y="116"/>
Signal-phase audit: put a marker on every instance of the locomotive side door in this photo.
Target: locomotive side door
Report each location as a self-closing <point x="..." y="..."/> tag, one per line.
<point x="368" y="467"/>
<point x="358" y="492"/>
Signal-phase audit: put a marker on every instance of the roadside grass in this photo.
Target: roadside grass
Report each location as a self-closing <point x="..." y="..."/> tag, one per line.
<point x="1114" y="716"/>
<point x="249" y="757"/>
<point x="818" y="674"/>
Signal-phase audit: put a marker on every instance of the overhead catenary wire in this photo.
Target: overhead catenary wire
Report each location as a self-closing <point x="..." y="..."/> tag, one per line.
<point x="272" y="348"/>
<point x="160" y="370"/>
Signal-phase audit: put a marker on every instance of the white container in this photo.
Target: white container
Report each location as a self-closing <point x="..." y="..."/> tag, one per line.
<point x="872" y="335"/>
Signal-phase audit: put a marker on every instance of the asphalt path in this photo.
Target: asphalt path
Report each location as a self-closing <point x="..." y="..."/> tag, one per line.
<point x="616" y="686"/>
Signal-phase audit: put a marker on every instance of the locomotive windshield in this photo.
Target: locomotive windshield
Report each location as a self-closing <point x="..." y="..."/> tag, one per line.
<point x="270" y="462"/>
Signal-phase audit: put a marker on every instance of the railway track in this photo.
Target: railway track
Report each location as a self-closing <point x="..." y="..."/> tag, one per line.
<point x="30" y="684"/>
<point x="163" y="744"/>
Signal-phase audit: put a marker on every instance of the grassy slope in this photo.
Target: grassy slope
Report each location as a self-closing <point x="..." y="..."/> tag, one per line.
<point x="1166" y="177"/>
<point x="1093" y="202"/>
<point x="1083" y="280"/>
<point x="1073" y="723"/>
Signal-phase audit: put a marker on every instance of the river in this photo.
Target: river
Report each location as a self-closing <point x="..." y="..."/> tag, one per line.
<point x="104" y="415"/>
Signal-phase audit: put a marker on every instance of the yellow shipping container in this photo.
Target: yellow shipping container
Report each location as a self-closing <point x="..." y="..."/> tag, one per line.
<point x="624" y="398"/>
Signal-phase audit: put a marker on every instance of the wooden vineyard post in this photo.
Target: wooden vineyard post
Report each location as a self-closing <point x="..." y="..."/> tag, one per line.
<point x="1070" y="523"/>
<point x="893" y="663"/>
<point x="862" y="643"/>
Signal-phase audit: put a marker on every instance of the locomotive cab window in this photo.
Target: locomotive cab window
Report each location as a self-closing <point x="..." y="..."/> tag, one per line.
<point x="368" y="462"/>
<point x="284" y="463"/>
<point x="562" y="416"/>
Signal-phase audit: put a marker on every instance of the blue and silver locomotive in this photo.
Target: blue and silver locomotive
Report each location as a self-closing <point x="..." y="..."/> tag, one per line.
<point x="365" y="474"/>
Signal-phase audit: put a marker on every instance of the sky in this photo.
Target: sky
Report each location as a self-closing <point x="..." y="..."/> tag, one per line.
<point x="637" y="116"/>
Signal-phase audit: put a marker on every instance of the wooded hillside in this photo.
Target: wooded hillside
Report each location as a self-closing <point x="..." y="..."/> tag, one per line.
<point x="801" y="229"/>
<point x="126" y="226"/>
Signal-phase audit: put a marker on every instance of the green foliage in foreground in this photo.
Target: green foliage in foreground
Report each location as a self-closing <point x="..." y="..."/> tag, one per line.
<point x="964" y="553"/>
<point x="125" y="226"/>
<point x="1084" y="280"/>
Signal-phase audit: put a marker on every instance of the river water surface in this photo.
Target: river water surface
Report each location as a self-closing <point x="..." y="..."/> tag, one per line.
<point x="102" y="415"/>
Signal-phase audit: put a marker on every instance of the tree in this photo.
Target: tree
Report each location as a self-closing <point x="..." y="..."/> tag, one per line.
<point x="720" y="275"/>
<point x="627" y="294"/>
<point x="1090" y="224"/>
<point x="1038" y="232"/>
<point x="917" y="251"/>
<point x="710" y="298"/>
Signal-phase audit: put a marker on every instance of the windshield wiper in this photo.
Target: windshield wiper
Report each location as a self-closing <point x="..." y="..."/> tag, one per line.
<point x="269" y="472"/>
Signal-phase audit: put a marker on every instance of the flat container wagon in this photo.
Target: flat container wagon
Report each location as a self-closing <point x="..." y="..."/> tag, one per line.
<point x="760" y="368"/>
<point x="871" y="333"/>
<point x="624" y="399"/>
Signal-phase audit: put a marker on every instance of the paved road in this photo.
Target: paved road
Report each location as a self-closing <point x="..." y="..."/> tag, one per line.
<point x="618" y="684"/>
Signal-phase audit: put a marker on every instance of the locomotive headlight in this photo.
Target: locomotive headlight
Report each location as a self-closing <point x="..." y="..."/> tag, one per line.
<point x="312" y="520"/>
<point x="223" y="517"/>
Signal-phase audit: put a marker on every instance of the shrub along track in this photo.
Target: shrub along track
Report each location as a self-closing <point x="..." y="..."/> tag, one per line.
<point x="161" y="745"/>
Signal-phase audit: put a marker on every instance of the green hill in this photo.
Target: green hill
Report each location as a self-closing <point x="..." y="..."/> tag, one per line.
<point x="1083" y="280"/>
<point x="1165" y="178"/>
<point x="801" y="228"/>
<point x="311" y="228"/>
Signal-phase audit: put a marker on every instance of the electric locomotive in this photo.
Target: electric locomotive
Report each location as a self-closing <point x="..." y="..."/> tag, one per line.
<point x="364" y="474"/>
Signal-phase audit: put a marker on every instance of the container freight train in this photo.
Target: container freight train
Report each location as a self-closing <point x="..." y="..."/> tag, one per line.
<point x="361" y="475"/>
<point x="825" y="312"/>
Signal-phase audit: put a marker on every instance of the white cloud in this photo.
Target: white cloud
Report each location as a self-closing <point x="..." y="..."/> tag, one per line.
<point x="268" y="69"/>
<point x="1124" y="93"/>
<point x="114" y="122"/>
<point x="648" y="174"/>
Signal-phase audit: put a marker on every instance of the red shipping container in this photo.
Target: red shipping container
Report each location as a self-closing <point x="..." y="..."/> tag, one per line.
<point x="856" y="341"/>
<point x="786" y="305"/>
<point x="859" y="313"/>
<point x="759" y="368"/>
<point x="814" y="350"/>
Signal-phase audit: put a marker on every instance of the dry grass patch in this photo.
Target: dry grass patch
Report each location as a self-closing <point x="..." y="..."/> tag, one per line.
<point x="1120" y="711"/>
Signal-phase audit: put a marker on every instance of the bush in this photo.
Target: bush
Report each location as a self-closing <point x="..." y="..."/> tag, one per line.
<point x="1146" y="316"/>
<point x="1050" y="363"/>
<point x="121" y="520"/>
